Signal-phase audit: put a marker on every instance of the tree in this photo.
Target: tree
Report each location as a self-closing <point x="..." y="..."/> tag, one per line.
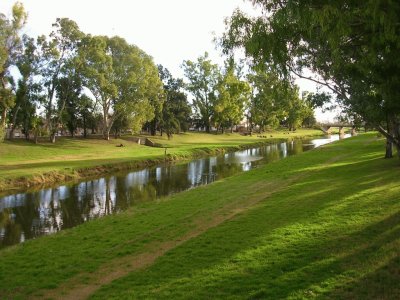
<point x="203" y="78"/>
<point x="352" y="45"/>
<point x="297" y="110"/>
<point x="10" y="47"/>
<point x="233" y="95"/>
<point x="122" y="78"/>
<point x="270" y="99"/>
<point x="58" y="61"/>
<point x="69" y="91"/>
<point x="176" y="110"/>
<point x="28" y="91"/>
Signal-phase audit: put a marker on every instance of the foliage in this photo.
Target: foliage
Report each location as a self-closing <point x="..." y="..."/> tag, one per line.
<point x="58" y="61"/>
<point x="233" y="96"/>
<point x="352" y="45"/>
<point x="28" y="91"/>
<point x="10" y="46"/>
<point x="203" y="77"/>
<point x="123" y="80"/>
<point x="176" y="111"/>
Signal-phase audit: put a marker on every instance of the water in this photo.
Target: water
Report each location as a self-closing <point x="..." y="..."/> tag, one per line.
<point x="29" y="215"/>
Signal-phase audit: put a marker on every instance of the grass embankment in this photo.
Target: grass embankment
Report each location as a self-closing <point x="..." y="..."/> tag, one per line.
<point x="25" y="164"/>
<point x="323" y="224"/>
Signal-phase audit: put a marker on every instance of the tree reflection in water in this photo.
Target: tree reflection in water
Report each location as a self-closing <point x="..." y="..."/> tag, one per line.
<point x="28" y="215"/>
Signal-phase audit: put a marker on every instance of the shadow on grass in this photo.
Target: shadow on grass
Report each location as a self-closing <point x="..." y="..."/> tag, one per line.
<point x="381" y="283"/>
<point x="300" y="246"/>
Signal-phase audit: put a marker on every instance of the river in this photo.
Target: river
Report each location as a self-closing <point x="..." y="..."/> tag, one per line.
<point x="28" y="215"/>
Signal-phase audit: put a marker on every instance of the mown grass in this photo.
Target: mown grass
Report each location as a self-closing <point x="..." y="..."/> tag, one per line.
<point x="25" y="160"/>
<point x="323" y="224"/>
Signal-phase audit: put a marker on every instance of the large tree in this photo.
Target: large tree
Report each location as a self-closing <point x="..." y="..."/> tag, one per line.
<point x="270" y="99"/>
<point x="353" y="46"/>
<point x="176" y="111"/>
<point x="123" y="79"/>
<point x="233" y="96"/>
<point x="28" y="90"/>
<point x="10" y="47"/>
<point x="58" y="54"/>
<point x="202" y="76"/>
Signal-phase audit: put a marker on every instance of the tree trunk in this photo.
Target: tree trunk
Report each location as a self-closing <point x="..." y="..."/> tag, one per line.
<point x="106" y="133"/>
<point x="389" y="149"/>
<point x="207" y="128"/>
<point x="84" y="127"/>
<point x="153" y="127"/>
<point x="11" y="136"/>
<point x="53" y="137"/>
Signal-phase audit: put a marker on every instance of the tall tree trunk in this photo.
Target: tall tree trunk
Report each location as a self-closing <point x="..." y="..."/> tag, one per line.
<point x="53" y="137"/>
<point x="105" y="131"/>
<point x="389" y="149"/>
<point x="153" y="127"/>
<point x="391" y="137"/>
<point x="14" y="120"/>
<point x="36" y="137"/>
<point x="84" y="127"/>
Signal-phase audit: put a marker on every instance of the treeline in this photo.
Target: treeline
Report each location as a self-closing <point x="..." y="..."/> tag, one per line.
<point x="353" y="46"/>
<point x="70" y="80"/>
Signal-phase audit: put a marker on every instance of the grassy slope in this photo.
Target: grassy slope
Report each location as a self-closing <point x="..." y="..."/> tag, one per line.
<point x="325" y="223"/>
<point x="21" y="159"/>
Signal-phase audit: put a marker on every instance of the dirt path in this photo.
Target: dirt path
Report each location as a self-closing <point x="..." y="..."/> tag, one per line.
<point x="83" y="285"/>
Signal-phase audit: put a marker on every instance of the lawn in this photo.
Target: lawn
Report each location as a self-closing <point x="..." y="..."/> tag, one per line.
<point x="323" y="224"/>
<point x="23" y="163"/>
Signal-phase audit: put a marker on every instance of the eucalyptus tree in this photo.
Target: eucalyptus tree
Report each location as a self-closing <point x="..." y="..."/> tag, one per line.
<point x="123" y="80"/>
<point x="10" y="47"/>
<point x="352" y="45"/>
<point x="232" y="97"/>
<point x="270" y="99"/>
<point x="297" y="109"/>
<point x="69" y="93"/>
<point x="203" y="77"/>
<point x="28" y="90"/>
<point x="58" y="53"/>
<point x="85" y="109"/>
<point x="176" y="110"/>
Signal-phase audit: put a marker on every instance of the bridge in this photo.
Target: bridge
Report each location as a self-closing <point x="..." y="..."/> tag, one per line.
<point x="327" y="127"/>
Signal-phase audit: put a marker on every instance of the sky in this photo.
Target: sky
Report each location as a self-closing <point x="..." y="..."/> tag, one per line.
<point x="171" y="31"/>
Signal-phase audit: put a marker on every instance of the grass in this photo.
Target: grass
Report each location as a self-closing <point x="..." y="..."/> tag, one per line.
<point x="23" y="163"/>
<point x="323" y="224"/>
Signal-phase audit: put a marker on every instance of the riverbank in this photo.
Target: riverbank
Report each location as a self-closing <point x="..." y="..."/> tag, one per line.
<point x="24" y="164"/>
<point x="325" y="223"/>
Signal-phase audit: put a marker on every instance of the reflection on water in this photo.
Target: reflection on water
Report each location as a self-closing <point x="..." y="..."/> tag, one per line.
<point x="28" y="215"/>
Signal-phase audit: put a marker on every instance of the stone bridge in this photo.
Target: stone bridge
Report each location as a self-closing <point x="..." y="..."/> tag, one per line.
<point x="327" y="127"/>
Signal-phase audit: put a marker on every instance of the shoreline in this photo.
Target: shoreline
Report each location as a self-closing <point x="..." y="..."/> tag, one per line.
<point x="71" y="176"/>
<point x="323" y="213"/>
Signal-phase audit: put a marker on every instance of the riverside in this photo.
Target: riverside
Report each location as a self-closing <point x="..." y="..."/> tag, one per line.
<point x="32" y="214"/>
<point x="321" y="224"/>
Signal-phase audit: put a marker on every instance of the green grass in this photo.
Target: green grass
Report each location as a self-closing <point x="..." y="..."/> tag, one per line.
<point x="23" y="162"/>
<point x="323" y="224"/>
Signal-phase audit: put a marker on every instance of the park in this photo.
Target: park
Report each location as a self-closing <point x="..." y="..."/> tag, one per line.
<point x="120" y="179"/>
